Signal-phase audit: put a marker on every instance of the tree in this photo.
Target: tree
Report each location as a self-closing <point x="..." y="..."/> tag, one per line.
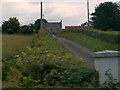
<point x="26" y="29"/>
<point x="106" y="16"/>
<point x="11" y="26"/>
<point x="37" y="23"/>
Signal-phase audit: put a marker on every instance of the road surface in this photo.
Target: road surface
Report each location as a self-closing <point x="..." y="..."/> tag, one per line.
<point x="85" y="54"/>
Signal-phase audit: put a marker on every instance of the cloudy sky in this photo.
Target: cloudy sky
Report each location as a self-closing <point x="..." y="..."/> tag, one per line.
<point x="72" y="12"/>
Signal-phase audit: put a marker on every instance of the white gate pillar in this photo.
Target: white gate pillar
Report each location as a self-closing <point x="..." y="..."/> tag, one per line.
<point x="108" y="61"/>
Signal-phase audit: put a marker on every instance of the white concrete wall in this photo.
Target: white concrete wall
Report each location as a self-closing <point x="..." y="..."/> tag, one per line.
<point x="108" y="60"/>
<point x="104" y="64"/>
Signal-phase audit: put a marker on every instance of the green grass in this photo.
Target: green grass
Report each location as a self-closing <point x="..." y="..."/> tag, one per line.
<point x="45" y="63"/>
<point x="89" y="41"/>
<point x="113" y="32"/>
<point x="0" y="46"/>
<point x="14" y="44"/>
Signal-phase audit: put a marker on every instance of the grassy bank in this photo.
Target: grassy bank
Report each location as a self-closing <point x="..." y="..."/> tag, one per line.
<point x="93" y="39"/>
<point x="45" y="63"/>
<point x="0" y="46"/>
<point x="14" y="44"/>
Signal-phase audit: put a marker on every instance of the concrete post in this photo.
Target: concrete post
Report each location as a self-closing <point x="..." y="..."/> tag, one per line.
<point x="108" y="61"/>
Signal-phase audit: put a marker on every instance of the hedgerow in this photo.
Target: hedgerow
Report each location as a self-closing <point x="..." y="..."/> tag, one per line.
<point x="104" y="36"/>
<point x="45" y="63"/>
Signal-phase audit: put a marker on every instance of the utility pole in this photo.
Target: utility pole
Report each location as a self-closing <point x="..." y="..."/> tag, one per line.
<point x="88" y="11"/>
<point x="41" y="18"/>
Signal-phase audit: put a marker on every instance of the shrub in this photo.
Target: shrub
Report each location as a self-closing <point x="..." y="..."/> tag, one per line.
<point x="25" y="29"/>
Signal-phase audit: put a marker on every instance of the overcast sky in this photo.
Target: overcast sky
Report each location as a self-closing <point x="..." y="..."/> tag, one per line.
<point x="71" y="12"/>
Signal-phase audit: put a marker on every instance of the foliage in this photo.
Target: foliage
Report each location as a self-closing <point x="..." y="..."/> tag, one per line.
<point x="26" y="29"/>
<point x="12" y="45"/>
<point x="37" y="23"/>
<point x="11" y="26"/>
<point x="106" y="16"/>
<point x="101" y="35"/>
<point x="45" y="63"/>
<point x="100" y="40"/>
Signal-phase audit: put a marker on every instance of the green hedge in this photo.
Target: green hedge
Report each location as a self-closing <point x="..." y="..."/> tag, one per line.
<point x="104" y="36"/>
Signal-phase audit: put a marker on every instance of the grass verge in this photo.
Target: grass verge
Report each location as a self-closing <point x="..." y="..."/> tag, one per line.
<point x="89" y="41"/>
<point x="14" y="44"/>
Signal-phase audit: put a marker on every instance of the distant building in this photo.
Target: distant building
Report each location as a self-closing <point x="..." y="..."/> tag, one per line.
<point x="53" y="27"/>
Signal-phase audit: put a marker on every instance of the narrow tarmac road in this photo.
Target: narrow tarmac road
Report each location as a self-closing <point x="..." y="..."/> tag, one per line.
<point x="85" y="54"/>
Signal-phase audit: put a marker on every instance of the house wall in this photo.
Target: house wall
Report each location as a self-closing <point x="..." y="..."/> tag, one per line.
<point x="54" y="27"/>
<point x="55" y="30"/>
<point x="51" y="30"/>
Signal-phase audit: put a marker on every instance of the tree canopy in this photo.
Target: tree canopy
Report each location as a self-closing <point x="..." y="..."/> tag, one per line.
<point x="11" y="26"/>
<point x="106" y="16"/>
<point x="26" y="29"/>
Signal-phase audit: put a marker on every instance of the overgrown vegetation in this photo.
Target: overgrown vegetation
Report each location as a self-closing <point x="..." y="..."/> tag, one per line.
<point x="45" y="63"/>
<point x="95" y="40"/>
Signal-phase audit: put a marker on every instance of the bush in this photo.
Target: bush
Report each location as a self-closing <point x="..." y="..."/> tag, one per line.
<point x="25" y="29"/>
